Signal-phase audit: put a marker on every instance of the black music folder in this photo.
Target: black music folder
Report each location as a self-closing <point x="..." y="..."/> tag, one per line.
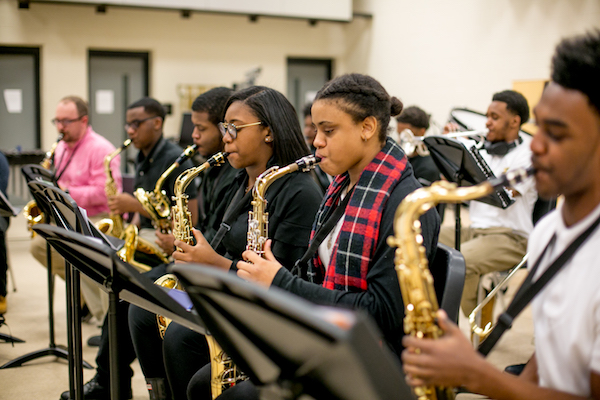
<point x="280" y="340"/>
<point x="465" y="167"/>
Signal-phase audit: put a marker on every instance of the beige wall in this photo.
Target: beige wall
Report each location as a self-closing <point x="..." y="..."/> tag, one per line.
<point x="438" y="53"/>
<point x="433" y="53"/>
<point x="204" y="49"/>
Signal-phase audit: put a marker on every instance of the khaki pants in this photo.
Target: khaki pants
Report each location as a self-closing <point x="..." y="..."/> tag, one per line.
<point x="485" y="250"/>
<point x="92" y="293"/>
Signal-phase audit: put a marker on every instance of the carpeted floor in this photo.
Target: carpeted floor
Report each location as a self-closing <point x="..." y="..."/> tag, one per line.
<point x="46" y="378"/>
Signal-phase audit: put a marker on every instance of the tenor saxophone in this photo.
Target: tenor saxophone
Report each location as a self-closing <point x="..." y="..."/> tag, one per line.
<point x="416" y="282"/>
<point x="114" y="224"/>
<point x="156" y="203"/>
<point x="32" y="213"/>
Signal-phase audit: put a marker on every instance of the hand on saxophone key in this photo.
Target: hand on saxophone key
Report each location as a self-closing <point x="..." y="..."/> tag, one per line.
<point x="257" y="269"/>
<point x="165" y="241"/>
<point x="200" y="253"/>
<point x="448" y="361"/>
<point x="123" y="203"/>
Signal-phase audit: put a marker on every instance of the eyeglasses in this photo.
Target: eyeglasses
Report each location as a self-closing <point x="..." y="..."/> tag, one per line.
<point x="232" y="129"/>
<point x="65" y="122"/>
<point x="137" y="122"/>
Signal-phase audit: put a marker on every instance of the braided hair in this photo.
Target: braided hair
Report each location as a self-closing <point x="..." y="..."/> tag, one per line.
<point x="361" y="96"/>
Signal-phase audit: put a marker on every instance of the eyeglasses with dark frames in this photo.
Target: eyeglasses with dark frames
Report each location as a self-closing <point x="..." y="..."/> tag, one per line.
<point x="137" y="122"/>
<point x="65" y="122"/>
<point x="233" y="129"/>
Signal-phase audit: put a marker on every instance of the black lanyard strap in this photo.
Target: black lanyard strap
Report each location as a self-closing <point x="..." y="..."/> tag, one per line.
<point x="321" y="235"/>
<point x="528" y="290"/>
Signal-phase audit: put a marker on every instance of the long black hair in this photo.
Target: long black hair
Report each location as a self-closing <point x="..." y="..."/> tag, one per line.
<point x="276" y="112"/>
<point x="362" y="96"/>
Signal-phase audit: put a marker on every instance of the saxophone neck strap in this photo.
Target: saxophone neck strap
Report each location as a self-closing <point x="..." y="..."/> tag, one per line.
<point x="529" y="289"/>
<point x="322" y="233"/>
<point x="238" y="203"/>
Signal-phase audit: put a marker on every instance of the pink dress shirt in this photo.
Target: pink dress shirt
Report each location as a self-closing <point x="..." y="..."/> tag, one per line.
<point x="80" y="168"/>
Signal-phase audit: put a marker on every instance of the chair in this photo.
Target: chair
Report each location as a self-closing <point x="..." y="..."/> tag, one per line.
<point x="448" y="270"/>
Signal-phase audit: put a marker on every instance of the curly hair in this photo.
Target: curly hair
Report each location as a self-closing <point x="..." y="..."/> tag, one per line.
<point x="414" y="116"/>
<point x="515" y="103"/>
<point x="151" y="106"/>
<point x="576" y="65"/>
<point x="212" y="102"/>
<point x="361" y="96"/>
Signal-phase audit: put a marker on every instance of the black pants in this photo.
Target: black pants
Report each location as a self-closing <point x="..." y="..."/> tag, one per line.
<point x="176" y="358"/>
<point x="125" y="345"/>
<point x="4" y="222"/>
<point x="199" y="388"/>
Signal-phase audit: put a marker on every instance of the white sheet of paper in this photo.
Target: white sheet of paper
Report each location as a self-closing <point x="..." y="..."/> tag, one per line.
<point x="105" y="101"/>
<point x="14" y="100"/>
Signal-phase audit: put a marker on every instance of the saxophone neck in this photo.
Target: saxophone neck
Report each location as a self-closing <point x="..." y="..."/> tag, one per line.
<point x="108" y="159"/>
<point x="187" y="153"/>
<point x="49" y="157"/>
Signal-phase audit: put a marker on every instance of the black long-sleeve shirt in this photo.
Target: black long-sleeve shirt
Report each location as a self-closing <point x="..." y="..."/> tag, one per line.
<point x="382" y="299"/>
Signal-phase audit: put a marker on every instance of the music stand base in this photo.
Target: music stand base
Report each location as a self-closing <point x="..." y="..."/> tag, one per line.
<point x="50" y="351"/>
<point x="10" y="339"/>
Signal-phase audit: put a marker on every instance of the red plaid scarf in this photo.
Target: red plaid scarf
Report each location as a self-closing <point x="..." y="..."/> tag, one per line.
<point x="352" y="252"/>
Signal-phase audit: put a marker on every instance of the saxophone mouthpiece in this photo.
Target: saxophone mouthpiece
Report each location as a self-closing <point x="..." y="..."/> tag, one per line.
<point x="307" y="163"/>
<point x="512" y="178"/>
<point x="126" y="144"/>
<point x="187" y="153"/>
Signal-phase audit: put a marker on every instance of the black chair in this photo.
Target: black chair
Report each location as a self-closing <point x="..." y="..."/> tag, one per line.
<point x="448" y="270"/>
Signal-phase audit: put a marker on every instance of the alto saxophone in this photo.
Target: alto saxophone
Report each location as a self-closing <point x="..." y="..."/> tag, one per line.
<point x="416" y="282"/>
<point x="156" y="203"/>
<point x="114" y="224"/>
<point x="224" y="373"/>
<point x="182" y="223"/>
<point x="31" y="211"/>
<point x="258" y="218"/>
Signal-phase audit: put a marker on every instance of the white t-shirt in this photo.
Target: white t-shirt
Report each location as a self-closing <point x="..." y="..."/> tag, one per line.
<point x="566" y="313"/>
<point x="518" y="215"/>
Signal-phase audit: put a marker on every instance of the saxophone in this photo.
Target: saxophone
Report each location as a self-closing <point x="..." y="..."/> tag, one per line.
<point x="114" y="225"/>
<point x="224" y="373"/>
<point x="258" y="218"/>
<point x="31" y="211"/>
<point x="182" y="223"/>
<point x="156" y="203"/>
<point x="416" y="282"/>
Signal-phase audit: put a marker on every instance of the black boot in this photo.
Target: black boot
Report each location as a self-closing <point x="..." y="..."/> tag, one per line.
<point x="94" y="390"/>
<point x="158" y="389"/>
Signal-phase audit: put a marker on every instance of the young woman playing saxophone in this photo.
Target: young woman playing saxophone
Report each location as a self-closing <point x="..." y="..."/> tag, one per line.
<point x="260" y="130"/>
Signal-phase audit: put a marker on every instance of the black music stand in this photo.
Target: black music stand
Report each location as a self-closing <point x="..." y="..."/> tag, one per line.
<point x="64" y="212"/>
<point x="95" y="258"/>
<point x="281" y="341"/>
<point x="35" y="173"/>
<point x="459" y="165"/>
<point x="7" y="211"/>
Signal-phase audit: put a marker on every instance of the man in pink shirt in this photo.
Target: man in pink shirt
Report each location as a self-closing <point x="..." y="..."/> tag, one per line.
<point x="79" y="169"/>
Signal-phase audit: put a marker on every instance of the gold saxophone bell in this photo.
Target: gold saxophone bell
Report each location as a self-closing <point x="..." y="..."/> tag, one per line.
<point x="32" y="213"/>
<point x="416" y="282"/>
<point x="168" y="281"/>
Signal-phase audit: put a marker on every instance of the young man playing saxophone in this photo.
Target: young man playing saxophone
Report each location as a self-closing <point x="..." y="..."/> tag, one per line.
<point x="566" y="156"/>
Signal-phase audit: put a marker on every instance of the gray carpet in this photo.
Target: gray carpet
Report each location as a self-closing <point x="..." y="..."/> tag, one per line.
<point x="46" y="377"/>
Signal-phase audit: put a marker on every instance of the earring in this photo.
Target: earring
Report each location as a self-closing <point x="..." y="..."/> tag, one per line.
<point x="364" y="139"/>
<point x="268" y="139"/>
